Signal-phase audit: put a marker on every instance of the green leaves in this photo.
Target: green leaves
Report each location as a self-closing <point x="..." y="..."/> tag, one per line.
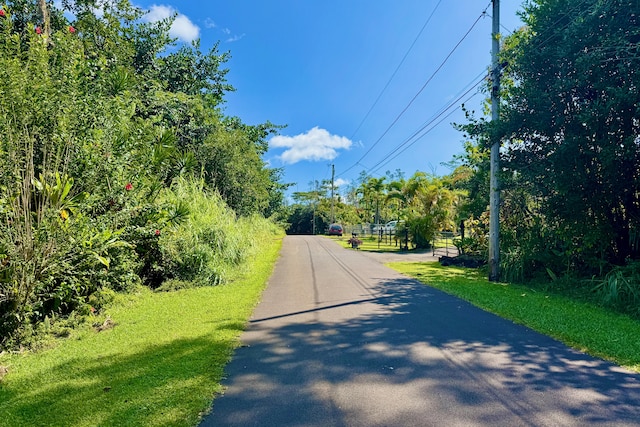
<point x="569" y="125"/>
<point x="97" y="123"/>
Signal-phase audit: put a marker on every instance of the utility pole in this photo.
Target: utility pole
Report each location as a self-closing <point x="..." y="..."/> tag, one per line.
<point x="494" y="192"/>
<point x="333" y="174"/>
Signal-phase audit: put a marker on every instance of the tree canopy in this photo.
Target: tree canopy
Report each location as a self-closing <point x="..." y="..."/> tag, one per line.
<point x="108" y="128"/>
<point x="571" y="119"/>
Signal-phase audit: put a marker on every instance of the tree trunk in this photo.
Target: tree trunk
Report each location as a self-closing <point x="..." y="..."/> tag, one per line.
<point x="46" y="20"/>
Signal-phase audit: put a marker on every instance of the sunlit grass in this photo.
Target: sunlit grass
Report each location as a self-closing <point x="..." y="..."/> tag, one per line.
<point x="581" y="325"/>
<point x="389" y="243"/>
<point x="160" y="365"/>
<point x="372" y="243"/>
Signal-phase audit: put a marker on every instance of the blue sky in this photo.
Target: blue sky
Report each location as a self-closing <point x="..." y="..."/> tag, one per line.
<point x="352" y="80"/>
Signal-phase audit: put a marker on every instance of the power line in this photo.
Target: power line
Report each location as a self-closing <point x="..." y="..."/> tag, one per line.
<point x="396" y="71"/>
<point x="462" y="93"/>
<point x="386" y="160"/>
<point x="416" y="136"/>
<point x="483" y="14"/>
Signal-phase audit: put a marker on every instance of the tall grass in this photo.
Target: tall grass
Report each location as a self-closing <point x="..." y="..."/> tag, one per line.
<point x="212" y="242"/>
<point x="620" y="288"/>
<point x="158" y="360"/>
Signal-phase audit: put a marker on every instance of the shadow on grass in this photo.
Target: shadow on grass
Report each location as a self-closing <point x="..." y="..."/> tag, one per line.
<point x="142" y="388"/>
<point x="413" y="352"/>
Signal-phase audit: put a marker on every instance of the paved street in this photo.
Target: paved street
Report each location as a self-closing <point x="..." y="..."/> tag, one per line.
<point x="341" y="340"/>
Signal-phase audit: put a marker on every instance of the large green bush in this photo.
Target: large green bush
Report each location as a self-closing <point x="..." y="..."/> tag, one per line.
<point x="110" y="173"/>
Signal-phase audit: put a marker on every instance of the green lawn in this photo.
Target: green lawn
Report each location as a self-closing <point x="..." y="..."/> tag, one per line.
<point x="160" y="365"/>
<point x="582" y="325"/>
<point x="391" y="244"/>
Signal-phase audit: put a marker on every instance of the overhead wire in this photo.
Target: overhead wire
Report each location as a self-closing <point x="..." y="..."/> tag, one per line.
<point x="407" y="142"/>
<point x="395" y="71"/>
<point x="431" y="77"/>
<point x="431" y="124"/>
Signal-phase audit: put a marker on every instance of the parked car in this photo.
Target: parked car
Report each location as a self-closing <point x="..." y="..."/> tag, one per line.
<point x="335" y="230"/>
<point x="388" y="228"/>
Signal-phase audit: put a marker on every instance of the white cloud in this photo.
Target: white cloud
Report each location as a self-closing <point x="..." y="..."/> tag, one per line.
<point x="315" y="145"/>
<point x="183" y="29"/>
<point x="341" y="182"/>
<point x="235" y="38"/>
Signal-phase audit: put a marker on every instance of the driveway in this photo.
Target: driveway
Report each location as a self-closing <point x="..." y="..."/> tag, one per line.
<point x="341" y="340"/>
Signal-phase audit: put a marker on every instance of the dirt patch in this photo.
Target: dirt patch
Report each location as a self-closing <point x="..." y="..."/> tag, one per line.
<point x="107" y="324"/>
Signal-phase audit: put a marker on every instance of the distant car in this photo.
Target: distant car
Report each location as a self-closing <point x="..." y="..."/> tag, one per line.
<point x="387" y="228"/>
<point x="335" y="230"/>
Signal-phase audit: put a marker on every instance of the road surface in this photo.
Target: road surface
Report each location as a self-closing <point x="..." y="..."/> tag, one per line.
<point x="341" y="340"/>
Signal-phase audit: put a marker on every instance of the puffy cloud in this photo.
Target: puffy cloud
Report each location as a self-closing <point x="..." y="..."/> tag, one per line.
<point x="315" y="145"/>
<point x="341" y="182"/>
<point x="182" y="29"/>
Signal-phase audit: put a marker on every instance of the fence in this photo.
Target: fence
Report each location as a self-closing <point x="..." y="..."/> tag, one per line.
<point x="443" y="245"/>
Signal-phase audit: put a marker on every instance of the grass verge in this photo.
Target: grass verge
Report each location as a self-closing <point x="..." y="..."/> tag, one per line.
<point x="370" y="243"/>
<point x="159" y="361"/>
<point x="587" y="327"/>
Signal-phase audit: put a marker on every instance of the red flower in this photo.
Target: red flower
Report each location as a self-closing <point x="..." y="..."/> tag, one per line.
<point x="71" y="29"/>
<point x="2" y="13"/>
<point x="38" y="30"/>
<point x="129" y="186"/>
<point x="157" y="232"/>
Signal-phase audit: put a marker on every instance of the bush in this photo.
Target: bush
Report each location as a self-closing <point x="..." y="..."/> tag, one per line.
<point x="211" y="242"/>
<point x="620" y="288"/>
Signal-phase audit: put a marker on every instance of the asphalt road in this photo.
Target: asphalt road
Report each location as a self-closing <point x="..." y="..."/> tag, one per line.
<point x="341" y="340"/>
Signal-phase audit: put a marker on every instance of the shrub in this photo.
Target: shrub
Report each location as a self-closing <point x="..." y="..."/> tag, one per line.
<point x="209" y="243"/>
<point x="620" y="288"/>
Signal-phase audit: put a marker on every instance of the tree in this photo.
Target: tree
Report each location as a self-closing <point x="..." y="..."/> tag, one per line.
<point x="104" y="147"/>
<point x="572" y="120"/>
<point x="372" y="196"/>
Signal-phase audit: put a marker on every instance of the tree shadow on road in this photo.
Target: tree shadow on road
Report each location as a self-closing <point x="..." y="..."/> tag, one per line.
<point x="414" y="351"/>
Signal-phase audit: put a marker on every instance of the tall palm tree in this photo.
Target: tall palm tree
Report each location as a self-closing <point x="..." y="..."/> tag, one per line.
<point x="372" y="192"/>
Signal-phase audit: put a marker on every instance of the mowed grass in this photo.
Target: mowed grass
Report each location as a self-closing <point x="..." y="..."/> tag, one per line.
<point x="587" y="327"/>
<point x="387" y="244"/>
<point x="160" y="365"/>
<point x="390" y="243"/>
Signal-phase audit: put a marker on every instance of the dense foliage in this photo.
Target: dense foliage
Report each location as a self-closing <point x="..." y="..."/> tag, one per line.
<point x="570" y="125"/>
<point x="425" y="204"/>
<point x="572" y="122"/>
<point x="117" y="165"/>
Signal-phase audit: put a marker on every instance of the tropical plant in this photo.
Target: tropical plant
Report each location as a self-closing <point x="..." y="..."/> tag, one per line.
<point x="103" y="125"/>
<point x="571" y="122"/>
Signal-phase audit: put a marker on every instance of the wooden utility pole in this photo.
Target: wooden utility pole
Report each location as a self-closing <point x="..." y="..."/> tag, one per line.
<point x="494" y="192"/>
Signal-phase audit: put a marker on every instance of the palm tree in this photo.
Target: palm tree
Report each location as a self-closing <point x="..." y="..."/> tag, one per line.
<point x="372" y="192"/>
